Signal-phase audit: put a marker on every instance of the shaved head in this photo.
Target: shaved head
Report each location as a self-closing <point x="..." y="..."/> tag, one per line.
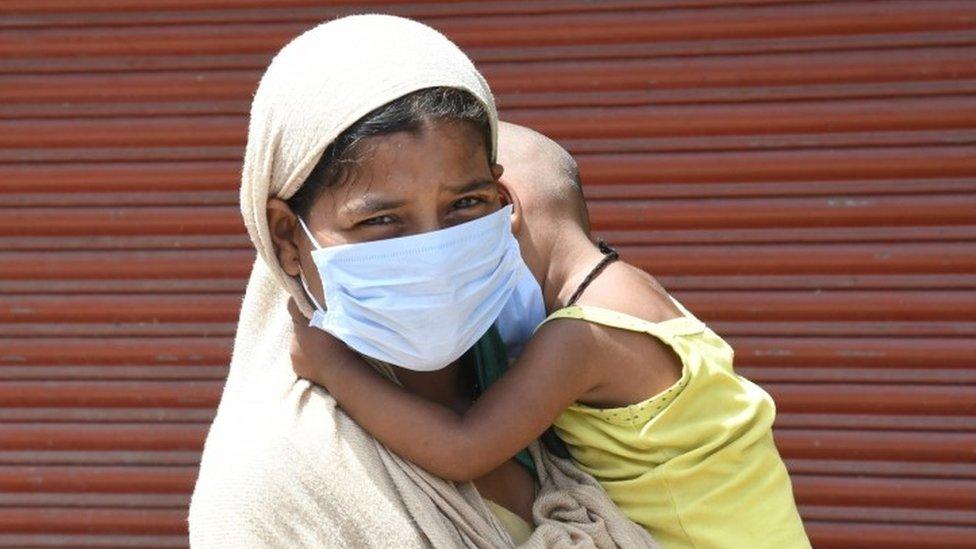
<point x="542" y="173"/>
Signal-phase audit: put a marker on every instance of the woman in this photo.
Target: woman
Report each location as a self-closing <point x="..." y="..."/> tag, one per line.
<point x="415" y="165"/>
<point x="281" y="464"/>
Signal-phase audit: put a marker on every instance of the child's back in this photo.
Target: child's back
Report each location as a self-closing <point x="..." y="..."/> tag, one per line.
<point x="695" y="463"/>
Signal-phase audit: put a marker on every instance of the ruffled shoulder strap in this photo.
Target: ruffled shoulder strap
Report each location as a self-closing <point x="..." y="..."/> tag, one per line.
<point x="665" y="330"/>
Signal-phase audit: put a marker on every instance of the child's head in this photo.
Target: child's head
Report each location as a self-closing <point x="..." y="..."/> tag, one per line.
<point x="417" y="164"/>
<point x="543" y="175"/>
<point x="544" y="181"/>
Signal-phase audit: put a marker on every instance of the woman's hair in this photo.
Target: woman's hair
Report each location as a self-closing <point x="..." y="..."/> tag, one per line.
<point x="407" y="113"/>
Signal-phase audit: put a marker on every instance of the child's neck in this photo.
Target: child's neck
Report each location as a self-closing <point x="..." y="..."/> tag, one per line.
<point x="572" y="256"/>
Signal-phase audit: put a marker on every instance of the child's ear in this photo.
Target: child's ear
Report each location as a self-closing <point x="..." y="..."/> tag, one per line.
<point x="509" y="197"/>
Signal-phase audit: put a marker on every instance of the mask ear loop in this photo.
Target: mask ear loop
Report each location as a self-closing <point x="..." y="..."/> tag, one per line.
<point x="301" y="275"/>
<point x="308" y="292"/>
<point x="308" y="233"/>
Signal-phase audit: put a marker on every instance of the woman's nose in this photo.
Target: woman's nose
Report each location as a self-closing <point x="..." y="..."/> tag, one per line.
<point x="428" y="222"/>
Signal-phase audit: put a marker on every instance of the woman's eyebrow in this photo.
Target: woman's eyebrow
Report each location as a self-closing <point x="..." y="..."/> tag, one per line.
<point x="473" y="185"/>
<point x="368" y="205"/>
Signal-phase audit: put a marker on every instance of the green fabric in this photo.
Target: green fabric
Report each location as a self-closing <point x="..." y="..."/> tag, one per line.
<point x="491" y="362"/>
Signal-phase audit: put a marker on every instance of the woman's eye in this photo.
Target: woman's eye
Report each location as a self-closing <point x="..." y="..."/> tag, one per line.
<point x="467" y="202"/>
<point x="379" y="220"/>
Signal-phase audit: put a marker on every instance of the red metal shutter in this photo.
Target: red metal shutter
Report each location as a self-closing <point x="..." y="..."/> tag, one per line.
<point x="801" y="174"/>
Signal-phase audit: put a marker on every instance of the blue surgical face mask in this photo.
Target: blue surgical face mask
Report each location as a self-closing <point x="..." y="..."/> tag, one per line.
<point x="421" y="301"/>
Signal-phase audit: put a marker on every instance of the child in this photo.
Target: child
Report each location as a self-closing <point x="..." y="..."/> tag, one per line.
<point x="642" y="393"/>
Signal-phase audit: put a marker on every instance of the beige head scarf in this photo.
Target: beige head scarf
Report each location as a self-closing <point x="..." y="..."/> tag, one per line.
<point x="282" y="465"/>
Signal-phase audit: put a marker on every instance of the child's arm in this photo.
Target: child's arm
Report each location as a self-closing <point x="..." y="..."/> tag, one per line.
<point x="551" y="374"/>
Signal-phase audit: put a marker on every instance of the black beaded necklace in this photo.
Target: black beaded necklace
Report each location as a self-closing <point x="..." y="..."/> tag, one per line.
<point x="609" y="256"/>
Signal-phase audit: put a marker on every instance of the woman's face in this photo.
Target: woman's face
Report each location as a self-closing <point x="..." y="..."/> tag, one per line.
<point x="405" y="184"/>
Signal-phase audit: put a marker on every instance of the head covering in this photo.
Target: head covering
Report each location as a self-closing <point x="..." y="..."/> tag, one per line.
<point x="323" y="82"/>
<point x="282" y="465"/>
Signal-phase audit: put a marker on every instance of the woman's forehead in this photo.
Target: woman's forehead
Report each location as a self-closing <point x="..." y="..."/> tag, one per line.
<point x="440" y="157"/>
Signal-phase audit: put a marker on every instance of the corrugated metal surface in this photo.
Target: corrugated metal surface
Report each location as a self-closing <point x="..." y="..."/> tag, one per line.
<point x="802" y="174"/>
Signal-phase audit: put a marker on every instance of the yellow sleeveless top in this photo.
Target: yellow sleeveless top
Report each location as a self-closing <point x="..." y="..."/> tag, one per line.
<point x="516" y="527"/>
<point x="696" y="464"/>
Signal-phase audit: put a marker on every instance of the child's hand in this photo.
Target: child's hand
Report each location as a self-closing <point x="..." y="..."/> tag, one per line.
<point x="312" y="350"/>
